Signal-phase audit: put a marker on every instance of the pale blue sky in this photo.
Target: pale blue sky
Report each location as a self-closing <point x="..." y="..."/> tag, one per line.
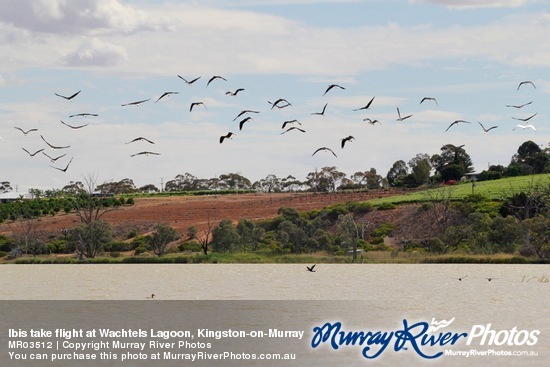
<point x="469" y="55"/>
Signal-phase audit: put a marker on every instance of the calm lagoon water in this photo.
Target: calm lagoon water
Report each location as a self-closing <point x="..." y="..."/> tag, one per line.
<point x="373" y="297"/>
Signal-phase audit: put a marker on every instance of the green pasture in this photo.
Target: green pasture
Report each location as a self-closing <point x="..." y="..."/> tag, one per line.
<point x="492" y="190"/>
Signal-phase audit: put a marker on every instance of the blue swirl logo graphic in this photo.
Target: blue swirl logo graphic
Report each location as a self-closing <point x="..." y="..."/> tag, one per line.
<point x="418" y="337"/>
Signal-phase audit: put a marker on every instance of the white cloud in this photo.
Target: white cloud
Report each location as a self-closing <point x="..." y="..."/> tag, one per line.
<point x="63" y="16"/>
<point x="95" y="52"/>
<point x="476" y="4"/>
<point x="204" y="40"/>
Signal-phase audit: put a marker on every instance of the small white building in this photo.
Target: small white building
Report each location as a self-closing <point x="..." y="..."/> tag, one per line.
<point x="9" y="197"/>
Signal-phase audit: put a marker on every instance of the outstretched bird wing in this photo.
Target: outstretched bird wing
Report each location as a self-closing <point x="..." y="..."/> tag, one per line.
<point x="188" y="81"/>
<point x="325" y="148"/>
<point x="68" y="98"/>
<point x="365" y="107"/>
<point x="526" y="82"/>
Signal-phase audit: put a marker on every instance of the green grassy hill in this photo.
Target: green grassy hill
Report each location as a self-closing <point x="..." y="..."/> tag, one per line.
<point x="492" y="190"/>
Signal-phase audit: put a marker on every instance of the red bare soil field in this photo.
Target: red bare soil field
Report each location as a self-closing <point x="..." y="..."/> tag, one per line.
<point x="181" y="212"/>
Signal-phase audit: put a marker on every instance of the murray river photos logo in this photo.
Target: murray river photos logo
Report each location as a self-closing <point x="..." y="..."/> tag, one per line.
<point x="428" y="340"/>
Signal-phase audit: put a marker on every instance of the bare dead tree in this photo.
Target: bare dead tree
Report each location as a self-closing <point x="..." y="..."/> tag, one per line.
<point x="25" y="231"/>
<point x="349" y="229"/>
<point x="204" y="235"/>
<point x="90" y="207"/>
<point x="439" y="210"/>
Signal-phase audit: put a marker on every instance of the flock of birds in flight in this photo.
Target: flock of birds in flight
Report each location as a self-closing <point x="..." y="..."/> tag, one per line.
<point x="245" y="116"/>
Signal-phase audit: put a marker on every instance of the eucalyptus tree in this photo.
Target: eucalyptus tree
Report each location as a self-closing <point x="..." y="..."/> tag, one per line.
<point x="531" y="158"/>
<point x="326" y="180"/>
<point x="290" y="183"/>
<point x="89" y="239"/>
<point x="225" y="237"/>
<point x="250" y="235"/>
<point x="186" y="182"/>
<point x="397" y="173"/>
<point x="369" y="179"/>
<point x="5" y="186"/>
<point x="348" y="231"/>
<point x="161" y="238"/>
<point x="149" y="188"/>
<point x="421" y="167"/>
<point x="452" y="163"/>
<point x="269" y="184"/>
<point x="235" y="181"/>
<point x="124" y="186"/>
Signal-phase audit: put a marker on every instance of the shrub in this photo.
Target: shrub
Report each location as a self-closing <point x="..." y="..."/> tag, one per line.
<point x="335" y="211"/>
<point x="59" y="247"/>
<point x="115" y="253"/>
<point x="386" y="206"/>
<point x="5" y="243"/>
<point x="140" y="250"/>
<point x="192" y="246"/>
<point x="117" y="246"/>
<point x="384" y="229"/>
<point x="138" y="241"/>
<point x="361" y="207"/>
<point x="3" y="253"/>
<point x="133" y="233"/>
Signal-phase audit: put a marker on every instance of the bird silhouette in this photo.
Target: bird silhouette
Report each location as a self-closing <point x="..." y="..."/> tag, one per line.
<point x="53" y="146"/>
<point x="152" y="295"/>
<point x="73" y="126"/>
<point x="144" y="153"/>
<point x="402" y="118"/>
<point x="140" y="138"/>
<point x="322" y="113"/>
<point x="66" y="167"/>
<point x="23" y="131"/>
<point x="290" y="122"/>
<point x="333" y="86"/>
<point x="366" y="107"/>
<point x="226" y="136"/>
<point x="523" y="127"/>
<point x="243" y="112"/>
<point x="189" y="82"/>
<point x="52" y="159"/>
<point x="372" y="122"/>
<point x="311" y="268"/>
<point x="346" y="139"/>
<point x="429" y="99"/>
<point x="525" y="119"/>
<point x="276" y="103"/>
<point x="325" y="148"/>
<point x="165" y="94"/>
<point x="519" y="106"/>
<point x="241" y="123"/>
<point x="84" y="114"/>
<point x="456" y="122"/>
<point x="460" y="279"/>
<point x="214" y="78"/>
<point x="33" y="154"/>
<point x="490" y="279"/>
<point x="136" y="103"/>
<point x="69" y="97"/>
<point x="229" y="93"/>
<point x="485" y="131"/>
<point x="196" y="104"/>
<point x="293" y="128"/>
<point x="526" y="82"/>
